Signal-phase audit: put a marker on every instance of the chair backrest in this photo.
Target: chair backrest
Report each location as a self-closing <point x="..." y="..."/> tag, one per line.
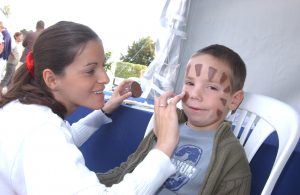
<point x="256" y="118"/>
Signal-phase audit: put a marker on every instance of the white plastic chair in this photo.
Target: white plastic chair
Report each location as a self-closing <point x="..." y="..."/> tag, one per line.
<point x="255" y="119"/>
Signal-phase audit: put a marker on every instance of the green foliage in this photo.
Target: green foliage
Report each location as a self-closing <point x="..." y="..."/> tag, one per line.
<point x="140" y="52"/>
<point x="126" y="70"/>
<point x="108" y="62"/>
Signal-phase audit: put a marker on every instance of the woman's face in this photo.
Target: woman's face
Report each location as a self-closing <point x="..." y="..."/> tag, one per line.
<point x="84" y="80"/>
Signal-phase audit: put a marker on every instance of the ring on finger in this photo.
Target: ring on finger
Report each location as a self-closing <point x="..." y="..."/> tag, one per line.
<point x="162" y="105"/>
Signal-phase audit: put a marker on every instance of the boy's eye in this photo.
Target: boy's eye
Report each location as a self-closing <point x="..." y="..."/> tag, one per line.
<point x="189" y="83"/>
<point x="214" y="88"/>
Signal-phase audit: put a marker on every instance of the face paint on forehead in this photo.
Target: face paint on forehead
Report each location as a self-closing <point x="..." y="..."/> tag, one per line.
<point x="198" y="68"/>
<point x="211" y="73"/>
<point x="187" y="70"/>
<point x="223" y="78"/>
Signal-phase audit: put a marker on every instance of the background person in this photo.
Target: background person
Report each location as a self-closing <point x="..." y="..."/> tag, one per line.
<point x="1" y="43"/>
<point x="6" y="49"/>
<point x="2" y="61"/>
<point x="30" y="38"/>
<point x="12" y="61"/>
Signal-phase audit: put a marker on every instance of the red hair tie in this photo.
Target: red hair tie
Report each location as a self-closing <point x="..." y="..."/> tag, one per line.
<point x="29" y="63"/>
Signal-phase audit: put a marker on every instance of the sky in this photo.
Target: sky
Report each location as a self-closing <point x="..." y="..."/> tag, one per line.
<point x="117" y="22"/>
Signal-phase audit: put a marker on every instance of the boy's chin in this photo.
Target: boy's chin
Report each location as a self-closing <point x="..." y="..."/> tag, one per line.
<point x="204" y="125"/>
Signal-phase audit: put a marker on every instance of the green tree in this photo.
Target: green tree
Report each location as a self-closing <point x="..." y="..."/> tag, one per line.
<point x="140" y="52"/>
<point x="108" y="62"/>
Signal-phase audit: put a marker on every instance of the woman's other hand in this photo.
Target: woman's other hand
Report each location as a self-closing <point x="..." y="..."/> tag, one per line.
<point x="118" y="96"/>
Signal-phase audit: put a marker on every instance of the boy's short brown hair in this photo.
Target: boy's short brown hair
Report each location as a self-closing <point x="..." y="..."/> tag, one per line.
<point x="234" y="61"/>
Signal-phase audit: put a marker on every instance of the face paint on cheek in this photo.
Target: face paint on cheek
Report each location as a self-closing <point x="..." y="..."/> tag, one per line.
<point x="187" y="70"/>
<point x="211" y="73"/>
<point x="198" y="68"/>
<point x="219" y="113"/>
<point x="224" y="101"/>
<point x="227" y="89"/>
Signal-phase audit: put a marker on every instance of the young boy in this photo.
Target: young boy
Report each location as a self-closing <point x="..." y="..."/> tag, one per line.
<point x="209" y="158"/>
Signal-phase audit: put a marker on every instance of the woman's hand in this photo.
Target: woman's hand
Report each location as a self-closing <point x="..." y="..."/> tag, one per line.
<point x="118" y="96"/>
<point x="166" y="122"/>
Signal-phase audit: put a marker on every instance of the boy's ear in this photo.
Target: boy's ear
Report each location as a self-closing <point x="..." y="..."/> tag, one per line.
<point x="236" y="100"/>
<point x="50" y="79"/>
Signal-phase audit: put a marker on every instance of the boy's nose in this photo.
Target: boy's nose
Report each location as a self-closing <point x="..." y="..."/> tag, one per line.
<point x="197" y="93"/>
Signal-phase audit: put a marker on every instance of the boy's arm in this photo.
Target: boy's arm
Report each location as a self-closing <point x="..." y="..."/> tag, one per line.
<point x="230" y="171"/>
<point x="237" y="174"/>
<point x="236" y="181"/>
<point x="237" y="186"/>
<point x="117" y="174"/>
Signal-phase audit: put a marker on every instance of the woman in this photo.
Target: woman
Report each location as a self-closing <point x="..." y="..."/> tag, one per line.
<point x="38" y="149"/>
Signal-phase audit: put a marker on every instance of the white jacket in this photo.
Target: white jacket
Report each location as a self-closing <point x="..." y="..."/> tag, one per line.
<point x="39" y="156"/>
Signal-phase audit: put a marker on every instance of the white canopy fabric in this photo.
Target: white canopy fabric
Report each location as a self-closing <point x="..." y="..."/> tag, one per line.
<point x="162" y="72"/>
<point x="268" y="42"/>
